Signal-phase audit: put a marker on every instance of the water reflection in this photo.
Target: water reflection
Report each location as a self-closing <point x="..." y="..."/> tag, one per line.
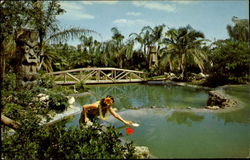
<point x="185" y="118"/>
<point x="138" y="96"/>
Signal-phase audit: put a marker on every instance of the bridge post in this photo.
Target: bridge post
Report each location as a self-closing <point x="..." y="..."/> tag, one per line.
<point x="97" y="76"/>
<point x="80" y="75"/>
<point x="113" y="73"/>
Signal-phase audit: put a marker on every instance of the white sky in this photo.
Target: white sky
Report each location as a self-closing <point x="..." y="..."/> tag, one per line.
<point x="208" y="16"/>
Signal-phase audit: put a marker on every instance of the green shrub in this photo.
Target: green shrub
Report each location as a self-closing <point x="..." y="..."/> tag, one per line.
<point x="46" y="81"/>
<point x="12" y="110"/>
<point x="32" y="141"/>
<point x="63" y="89"/>
<point x="57" y="101"/>
<point x="230" y="63"/>
<point x="15" y="101"/>
<point x="81" y="87"/>
<point x="9" y="82"/>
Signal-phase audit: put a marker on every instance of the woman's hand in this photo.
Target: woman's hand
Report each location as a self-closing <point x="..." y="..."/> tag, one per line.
<point x="128" y="122"/>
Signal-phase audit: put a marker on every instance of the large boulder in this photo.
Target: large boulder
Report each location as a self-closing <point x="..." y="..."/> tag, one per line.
<point x="218" y="99"/>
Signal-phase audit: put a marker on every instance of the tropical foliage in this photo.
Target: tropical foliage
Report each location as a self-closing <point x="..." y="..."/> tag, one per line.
<point x="230" y="63"/>
<point x="18" y="103"/>
<point x="240" y="30"/>
<point x="183" y="46"/>
<point x="39" y="16"/>
<point x="230" y="58"/>
<point x="179" y="50"/>
<point x="33" y="141"/>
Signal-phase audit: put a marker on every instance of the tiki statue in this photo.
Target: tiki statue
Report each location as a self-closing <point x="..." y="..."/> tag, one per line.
<point x="28" y="54"/>
<point x="153" y="58"/>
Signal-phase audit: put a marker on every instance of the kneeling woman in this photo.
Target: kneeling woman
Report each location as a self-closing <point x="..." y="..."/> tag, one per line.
<point x="100" y="108"/>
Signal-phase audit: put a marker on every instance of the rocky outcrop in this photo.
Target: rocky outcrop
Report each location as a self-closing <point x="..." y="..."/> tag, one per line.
<point x="142" y="152"/>
<point x="170" y="76"/>
<point x="217" y="100"/>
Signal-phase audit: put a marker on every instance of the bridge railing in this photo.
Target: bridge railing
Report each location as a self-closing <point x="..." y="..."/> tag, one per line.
<point x="97" y="75"/>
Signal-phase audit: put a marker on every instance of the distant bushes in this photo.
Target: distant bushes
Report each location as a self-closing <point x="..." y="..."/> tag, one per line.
<point x="230" y="63"/>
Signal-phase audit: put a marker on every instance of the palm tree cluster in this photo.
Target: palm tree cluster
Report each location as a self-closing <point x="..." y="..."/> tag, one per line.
<point x="175" y="50"/>
<point x="183" y="45"/>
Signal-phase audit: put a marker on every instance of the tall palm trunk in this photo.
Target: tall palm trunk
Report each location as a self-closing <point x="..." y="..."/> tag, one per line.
<point x="183" y="65"/>
<point x="121" y="63"/>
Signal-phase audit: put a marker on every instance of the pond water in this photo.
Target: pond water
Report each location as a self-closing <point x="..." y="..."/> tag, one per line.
<point x="172" y="133"/>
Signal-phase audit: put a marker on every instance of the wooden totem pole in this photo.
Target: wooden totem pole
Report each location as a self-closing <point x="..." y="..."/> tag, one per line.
<point x="153" y="57"/>
<point x="28" y="58"/>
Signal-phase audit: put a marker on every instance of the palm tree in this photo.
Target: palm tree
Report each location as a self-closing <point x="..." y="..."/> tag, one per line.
<point x="88" y="43"/>
<point x="121" y="51"/>
<point x="117" y="36"/>
<point x="125" y="53"/>
<point x="138" y="38"/>
<point x="184" y="44"/>
<point x="46" y="24"/>
<point x="240" y="30"/>
<point x="155" y="34"/>
<point x="108" y="52"/>
<point x="148" y="37"/>
<point x="142" y="38"/>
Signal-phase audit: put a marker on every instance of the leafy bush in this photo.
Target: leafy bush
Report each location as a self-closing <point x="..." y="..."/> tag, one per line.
<point x="81" y="87"/>
<point x="46" y="81"/>
<point x="9" y="82"/>
<point x="230" y="63"/>
<point x="32" y="141"/>
<point x="57" y="101"/>
<point x="12" y="110"/>
<point x="28" y="100"/>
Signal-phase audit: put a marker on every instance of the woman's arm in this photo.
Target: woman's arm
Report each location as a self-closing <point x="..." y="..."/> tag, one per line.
<point x="117" y="116"/>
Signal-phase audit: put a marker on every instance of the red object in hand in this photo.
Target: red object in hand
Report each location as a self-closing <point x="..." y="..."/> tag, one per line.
<point x="129" y="131"/>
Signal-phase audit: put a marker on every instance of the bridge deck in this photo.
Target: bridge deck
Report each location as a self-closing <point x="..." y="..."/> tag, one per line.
<point x="100" y="81"/>
<point x="97" y="76"/>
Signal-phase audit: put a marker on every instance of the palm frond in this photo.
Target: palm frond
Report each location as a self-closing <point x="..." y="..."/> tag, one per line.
<point x="70" y="34"/>
<point x="147" y="28"/>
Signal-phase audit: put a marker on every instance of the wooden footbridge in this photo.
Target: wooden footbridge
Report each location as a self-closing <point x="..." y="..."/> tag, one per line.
<point x="97" y="76"/>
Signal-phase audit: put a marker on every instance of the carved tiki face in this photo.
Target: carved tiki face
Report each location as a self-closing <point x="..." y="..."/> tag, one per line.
<point x="28" y="57"/>
<point x="31" y="53"/>
<point x="28" y="48"/>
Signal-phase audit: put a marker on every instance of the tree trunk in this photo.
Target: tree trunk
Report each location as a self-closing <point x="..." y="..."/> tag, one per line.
<point x="9" y="122"/>
<point x="183" y="66"/>
<point x="2" y="62"/>
<point x="2" y="71"/>
<point x="121" y="63"/>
